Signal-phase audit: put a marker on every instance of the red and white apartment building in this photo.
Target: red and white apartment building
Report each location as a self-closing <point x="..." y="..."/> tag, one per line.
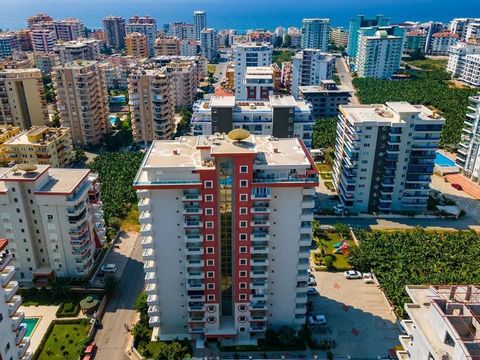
<point x="226" y="234"/>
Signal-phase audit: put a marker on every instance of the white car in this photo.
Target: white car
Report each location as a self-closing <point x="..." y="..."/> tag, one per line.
<point x="368" y="278"/>
<point x="312" y="281"/>
<point x="317" y="320"/>
<point x="109" y="268"/>
<point x="352" y="274"/>
<point x="312" y="291"/>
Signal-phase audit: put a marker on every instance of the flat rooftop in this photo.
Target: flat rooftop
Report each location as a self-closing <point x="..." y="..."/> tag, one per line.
<point x="222" y="101"/>
<point x="320" y="89"/>
<point x="45" y="136"/>
<point x="64" y="180"/>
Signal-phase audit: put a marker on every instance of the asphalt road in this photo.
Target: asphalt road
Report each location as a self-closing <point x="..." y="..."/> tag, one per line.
<point x="112" y="338"/>
<point x="345" y="77"/>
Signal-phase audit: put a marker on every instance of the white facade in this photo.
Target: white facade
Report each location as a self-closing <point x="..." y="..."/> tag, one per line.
<point x="199" y="22"/>
<point x="384" y="156"/>
<point x="379" y="56"/>
<point x="184" y="76"/>
<point x="249" y="55"/>
<point x="464" y="62"/>
<point x="53" y="220"/>
<point x="43" y="40"/>
<point x="315" y="34"/>
<point x="188" y="48"/>
<point x="258" y="117"/>
<point x="182" y="30"/>
<point x="144" y="25"/>
<point x="309" y="67"/>
<point x="208" y="43"/>
<point x="443" y="323"/>
<point x="69" y="29"/>
<point x="206" y="278"/>
<point x="473" y="32"/>
<point x="468" y="155"/>
<point x="81" y="49"/>
<point x="441" y="43"/>
<point x="460" y="26"/>
<point x="116" y="76"/>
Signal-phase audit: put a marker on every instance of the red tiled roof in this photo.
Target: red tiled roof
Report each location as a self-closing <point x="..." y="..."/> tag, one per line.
<point x="3" y="244"/>
<point x="445" y="34"/>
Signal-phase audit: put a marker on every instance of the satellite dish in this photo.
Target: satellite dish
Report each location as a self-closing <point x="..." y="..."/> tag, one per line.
<point x="238" y="134"/>
<point x="27" y="167"/>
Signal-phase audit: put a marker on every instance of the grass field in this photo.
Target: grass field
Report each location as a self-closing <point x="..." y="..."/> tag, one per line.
<point x="429" y="64"/>
<point x="65" y="341"/>
<point x="329" y="240"/>
<point x="131" y="223"/>
<point x="324" y="167"/>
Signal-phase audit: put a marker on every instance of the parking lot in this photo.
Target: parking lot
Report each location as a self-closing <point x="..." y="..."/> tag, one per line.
<point x="358" y="317"/>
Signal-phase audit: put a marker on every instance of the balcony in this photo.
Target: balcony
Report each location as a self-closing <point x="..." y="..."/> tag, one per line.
<point x="196" y="319"/>
<point x="193" y="238"/>
<point x="258" y="328"/>
<point x="147" y="242"/>
<point x="192" y="224"/>
<point x="148" y="254"/>
<point x="192" y="210"/>
<point x="262" y="195"/>
<point x="153" y="310"/>
<point x="258" y="262"/>
<point x="259" y="236"/>
<point x="22" y="330"/>
<point x="150" y="277"/>
<point x="5" y="258"/>
<point x="146" y="230"/>
<point x="194" y="251"/>
<point x="22" y="347"/>
<point x="259" y="223"/>
<point x="260" y="210"/>
<point x="301" y="298"/>
<point x="144" y="205"/>
<point x="305" y="241"/>
<point x="152" y="300"/>
<point x="151" y="289"/>
<point x="195" y="298"/>
<point x="258" y="274"/>
<point x="145" y="217"/>
<point x="196" y="307"/>
<point x="258" y="250"/>
<point x="307" y="215"/>
<point x="308" y="201"/>
<point x="258" y="318"/>
<point x="258" y="285"/>
<point x="191" y="197"/>
<point x="6" y="275"/>
<point x="14" y="304"/>
<point x="195" y="275"/>
<point x="17" y="319"/>
<point x="154" y="321"/>
<point x="194" y="263"/>
<point x="11" y="290"/>
<point x="194" y="285"/>
<point x="309" y="191"/>
<point x="258" y="306"/>
<point x="149" y="266"/>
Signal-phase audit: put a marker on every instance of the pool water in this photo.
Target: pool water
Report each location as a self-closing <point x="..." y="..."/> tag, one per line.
<point x="31" y="325"/>
<point x="443" y="161"/>
<point x="112" y="119"/>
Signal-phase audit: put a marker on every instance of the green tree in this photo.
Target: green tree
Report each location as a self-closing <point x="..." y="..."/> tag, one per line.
<point x="55" y="120"/>
<point x="111" y="285"/>
<point x="324" y="133"/>
<point x="184" y="126"/>
<point x="60" y="287"/>
<point x="278" y="41"/>
<point x="171" y="351"/>
<point x="79" y="155"/>
<point x="417" y="55"/>
<point x="287" y="41"/>
<point x="342" y="229"/>
<point x="287" y="335"/>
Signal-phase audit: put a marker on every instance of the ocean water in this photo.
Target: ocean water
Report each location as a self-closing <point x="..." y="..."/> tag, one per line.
<point x="239" y="14"/>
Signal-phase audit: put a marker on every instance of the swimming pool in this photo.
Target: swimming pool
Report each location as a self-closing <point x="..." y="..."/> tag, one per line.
<point x="112" y="119"/>
<point x="443" y="161"/>
<point x="31" y="325"/>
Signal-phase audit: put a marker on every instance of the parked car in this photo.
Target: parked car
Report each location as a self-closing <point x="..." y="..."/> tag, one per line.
<point x="312" y="281"/>
<point x="312" y="291"/>
<point x="368" y="278"/>
<point x="317" y="320"/>
<point x="110" y="268"/>
<point x="352" y="274"/>
<point x="457" y="186"/>
<point x="90" y="351"/>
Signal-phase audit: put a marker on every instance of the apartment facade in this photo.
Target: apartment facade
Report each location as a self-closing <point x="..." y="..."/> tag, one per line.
<point x="247" y="55"/>
<point x="309" y="67"/>
<point x="442" y="323"/>
<point x="184" y="77"/>
<point x="325" y="98"/>
<point x="8" y="44"/>
<point x="442" y="41"/>
<point x="80" y="49"/>
<point x="53" y="220"/>
<point x="137" y="45"/>
<point x="468" y="154"/>
<point x="68" y="29"/>
<point x="152" y="104"/>
<point x="358" y="22"/>
<point x="44" y="61"/>
<point x="41" y="145"/>
<point x="259" y="82"/>
<point x="379" y="56"/>
<point x="208" y="43"/>
<point x="384" y="157"/>
<point x="43" y="40"/>
<point x="199" y="22"/>
<point x="280" y="116"/>
<point x="114" y="29"/>
<point x="242" y="265"/>
<point x="459" y="26"/>
<point x="315" y="34"/>
<point x="116" y="76"/>
<point x="415" y="41"/>
<point x="182" y="31"/>
<point x="13" y="343"/>
<point x="339" y="37"/>
<point x="144" y="25"/>
<point x="82" y="101"/>
<point x="6" y="132"/>
<point x="167" y="46"/>
<point x="22" y="98"/>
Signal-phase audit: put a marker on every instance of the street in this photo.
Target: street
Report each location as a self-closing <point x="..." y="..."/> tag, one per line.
<point x="112" y="337"/>
<point x="346" y="78"/>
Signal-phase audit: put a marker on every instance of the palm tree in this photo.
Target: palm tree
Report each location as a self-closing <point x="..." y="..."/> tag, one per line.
<point x="110" y="285"/>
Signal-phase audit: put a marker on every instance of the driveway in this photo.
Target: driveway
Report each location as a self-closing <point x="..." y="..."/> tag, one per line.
<point x="358" y="316"/>
<point x="346" y="78"/>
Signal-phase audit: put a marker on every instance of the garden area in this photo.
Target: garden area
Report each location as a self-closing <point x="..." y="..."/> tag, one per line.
<point x="325" y="171"/>
<point x="332" y="248"/>
<point x="428" y="64"/>
<point x="64" y="340"/>
<point x="400" y="258"/>
<point x="430" y="88"/>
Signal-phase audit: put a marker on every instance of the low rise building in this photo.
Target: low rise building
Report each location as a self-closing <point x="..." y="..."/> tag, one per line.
<point x="325" y="98"/>
<point x="286" y="75"/>
<point x="280" y="116"/>
<point x="258" y="83"/>
<point x="443" y="323"/>
<point x="53" y="220"/>
<point x="384" y="157"/>
<point x="41" y="145"/>
<point x="14" y="343"/>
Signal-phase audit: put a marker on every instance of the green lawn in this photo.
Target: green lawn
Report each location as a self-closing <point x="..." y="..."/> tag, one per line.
<point x="324" y="167"/>
<point x="65" y="341"/>
<point x="326" y="175"/>
<point x="34" y="297"/>
<point x="330" y="239"/>
<point x="429" y="64"/>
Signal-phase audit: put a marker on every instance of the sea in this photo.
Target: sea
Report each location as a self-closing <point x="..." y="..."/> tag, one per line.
<point x="237" y="14"/>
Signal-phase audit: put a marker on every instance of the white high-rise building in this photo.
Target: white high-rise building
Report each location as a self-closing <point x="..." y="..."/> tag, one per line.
<point x="309" y="67"/>
<point x="468" y="154"/>
<point x="144" y="25"/>
<point x="384" y="157"/>
<point x="379" y="56"/>
<point x="200" y="22"/>
<point x="53" y="219"/>
<point x="226" y="233"/>
<point x="315" y="34"/>
<point x="80" y="49"/>
<point x="280" y="31"/>
<point x="208" y="43"/>
<point x="182" y="30"/>
<point x="43" y="39"/>
<point x="459" y="26"/>
<point x="464" y="62"/>
<point x="13" y="343"/>
<point x="249" y="55"/>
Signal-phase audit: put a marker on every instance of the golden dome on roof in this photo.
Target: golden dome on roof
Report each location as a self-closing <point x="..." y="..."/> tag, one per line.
<point x="238" y="134"/>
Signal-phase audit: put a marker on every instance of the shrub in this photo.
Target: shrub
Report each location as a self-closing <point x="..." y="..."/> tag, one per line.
<point x="329" y="259"/>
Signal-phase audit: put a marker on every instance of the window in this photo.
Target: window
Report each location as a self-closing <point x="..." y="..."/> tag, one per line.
<point x="210" y="297"/>
<point x="242" y="297"/>
<point x="210" y="286"/>
<point x="243" y="237"/>
<point x="209" y="224"/>
<point x="243" y="169"/>
<point x="208" y="184"/>
<point x="242" y="261"/>
<point x="243" y="183"/>
<point x="243" y="224"/>
<point x="242" y="274"/>
<point x="243" y="211"/>
<point x="210" y="262"/>
<point x="209" y="198"/>
<point x="210" y="250"/>
<point x="209" y="211"/>
<point x="209" y="237"/>
<point x="210" y="274"/>
<point x="243" y="249"/>
<point x="243" y="197"/>
<point x="49" y="218"/>
<point x="242" y="285"/>
<point x="212" y="319"/>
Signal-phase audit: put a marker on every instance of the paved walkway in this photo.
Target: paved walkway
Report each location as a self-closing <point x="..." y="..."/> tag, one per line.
<point x="468" y="186"/>
<point x="46" y="315"/>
